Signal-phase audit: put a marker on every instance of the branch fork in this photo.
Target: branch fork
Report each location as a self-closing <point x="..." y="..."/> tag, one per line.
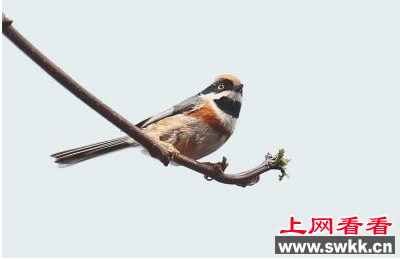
<point x="211" y="171"/>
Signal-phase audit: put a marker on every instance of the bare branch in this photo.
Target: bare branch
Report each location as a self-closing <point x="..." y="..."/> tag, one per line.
<point x="209" y="170"/>
<point x="5" y="21"/>
<point x="85" y="96"/>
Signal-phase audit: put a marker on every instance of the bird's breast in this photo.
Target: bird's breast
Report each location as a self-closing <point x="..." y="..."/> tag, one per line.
<point x="212" y="117"/>
<point x="193" y="136"/>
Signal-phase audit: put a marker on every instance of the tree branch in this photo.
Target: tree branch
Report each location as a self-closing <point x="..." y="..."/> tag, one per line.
<point x="209" y="170"/>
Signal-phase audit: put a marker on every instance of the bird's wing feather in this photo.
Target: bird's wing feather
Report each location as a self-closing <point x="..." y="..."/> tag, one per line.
<point x="186" y="106"/>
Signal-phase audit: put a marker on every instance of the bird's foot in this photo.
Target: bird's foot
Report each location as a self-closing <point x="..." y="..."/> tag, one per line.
<point x="219" y="167"/>
<point x="173" y="152"/>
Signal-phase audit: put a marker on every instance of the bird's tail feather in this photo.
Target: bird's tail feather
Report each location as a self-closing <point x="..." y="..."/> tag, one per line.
<point x="76" y="155"/>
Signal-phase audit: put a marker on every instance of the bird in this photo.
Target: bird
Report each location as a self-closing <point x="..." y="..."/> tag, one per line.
<point x="195" y="127"/>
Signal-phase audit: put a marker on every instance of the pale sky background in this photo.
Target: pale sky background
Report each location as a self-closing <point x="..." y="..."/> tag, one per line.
<point x="321" y="80"/>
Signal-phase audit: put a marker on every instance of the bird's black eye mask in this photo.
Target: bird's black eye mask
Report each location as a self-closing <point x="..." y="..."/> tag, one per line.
<point x="218" y="87"/>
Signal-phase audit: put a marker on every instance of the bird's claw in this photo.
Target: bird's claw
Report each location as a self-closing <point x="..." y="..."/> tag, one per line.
<point x="172" y="151"/>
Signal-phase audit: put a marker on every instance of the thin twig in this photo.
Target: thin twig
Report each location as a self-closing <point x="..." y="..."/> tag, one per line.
<point x="209" y="170"/>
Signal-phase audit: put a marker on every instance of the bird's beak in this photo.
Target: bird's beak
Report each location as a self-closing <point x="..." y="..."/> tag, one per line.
<point x="239" y="88"/>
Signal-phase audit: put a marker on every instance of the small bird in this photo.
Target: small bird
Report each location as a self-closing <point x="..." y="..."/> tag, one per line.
<point x="196" y="127"/>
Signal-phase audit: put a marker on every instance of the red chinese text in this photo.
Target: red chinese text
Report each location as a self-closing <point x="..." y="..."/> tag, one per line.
<point x="350" y="225"/>
<point x="292" y="230"/>
<point x="379" y="225"/>
<point x="322" y="224"/>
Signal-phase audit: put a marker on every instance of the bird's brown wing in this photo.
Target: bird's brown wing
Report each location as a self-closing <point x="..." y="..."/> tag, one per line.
<point x="186" y="106"/>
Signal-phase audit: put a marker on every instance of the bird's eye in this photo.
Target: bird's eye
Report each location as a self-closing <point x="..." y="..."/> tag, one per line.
<point x="221" y="87"/>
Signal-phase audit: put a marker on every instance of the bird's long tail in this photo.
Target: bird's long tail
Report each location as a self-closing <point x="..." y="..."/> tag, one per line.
<point x="76" y="155"/>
